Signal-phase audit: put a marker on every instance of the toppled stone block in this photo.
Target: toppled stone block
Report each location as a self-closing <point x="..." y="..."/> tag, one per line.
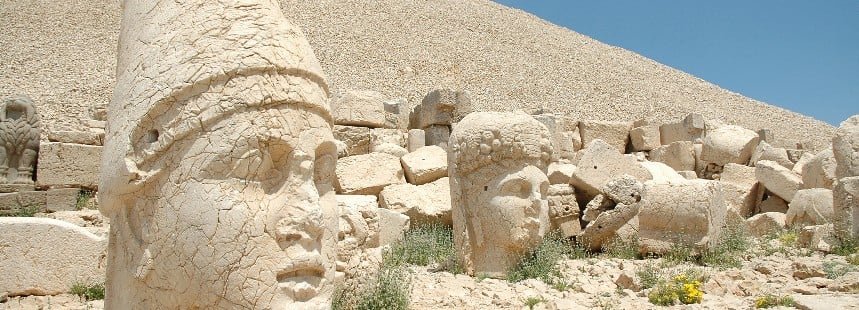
<point x="607" y="225"/>
<point x="615" y="134"/>
<point x="417" y="139"/>
<point x="437" y="135"/>
<point x="819" y="172"/>
<point x="818" y="237"/>
<point x="689" y="214"/>
<point x="396" y="113"/>
<point x="380" y="136"/>
<point x="68" y="165"/>
<point x="689" y="175"/>
<point x="800" y="164"/>
<point x="559" y="173"/>
<point x="599" y="204"/>
<point x="358" y="224"/>
<point x="43" y="256"/>
<point x="359" y="108"/>
<point x="393" y="226"/>
<point x="563" y="209"/>
<point x="624" y="189"/>
<point x="773" y="203"/>
<point x="679" y="155"/>
<point x="425" y="165"/>
<point x="810" y="207"/>
<point x="440" y="107"/>
<point x="729" y="144"/>
<point x="741" y="189"/>
<point x="778" y="179"/>
<point x="390" y="148"/>
<point x="645" y="138"/>
<point x="662" y="173"/>
<point x="368" y="174"/>
<point x="765" y="223"/>
<point x="65" y="199"/>
<point x="22" y="202"/>
<point x="600" y="163"/>
<point x="765" y="151"/>
<point x="691" y="128"/>
<point x="845" y="207"/>
<point x="845" y="148"/>
<point x="766" y="135"/>
<point x="423" y="204"/>
<point x="357" y="139"/>
<point x="77" y="137"/>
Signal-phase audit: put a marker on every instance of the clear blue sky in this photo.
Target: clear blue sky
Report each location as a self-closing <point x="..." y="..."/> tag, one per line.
<point x="800" y="55"/>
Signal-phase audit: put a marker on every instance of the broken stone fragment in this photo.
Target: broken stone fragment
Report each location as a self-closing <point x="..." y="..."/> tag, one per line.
<point x="645" y="138"/>
<point x="423" y="204"/>
<point x="359" y="108"/>
<point x="690" y="128"/>
<point x="624" y="189"/>
<point x="810" y="207"/>
<point x="679" y="155"/>
<point x="356" y="139"/>
<point x="615" y="134"/>
<point x="729" y="144"/>
<point x="778" y="179"/>
<point x="765" y="223"/>
<point x="689" y="214"/>
<point x="425" y="165"/>
<point x="601" y="163"/>
<point x="765" y="151"/>
<point x="819" y="172"/>
<point x="368" y="174"/>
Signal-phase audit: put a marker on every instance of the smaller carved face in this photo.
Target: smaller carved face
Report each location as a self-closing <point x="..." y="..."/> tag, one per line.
<point x="511" y="209"/>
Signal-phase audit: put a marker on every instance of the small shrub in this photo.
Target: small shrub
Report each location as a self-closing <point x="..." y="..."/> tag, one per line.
<point x="620" y="248"/>
<point x="734" y="241"/>
<point x="533" y="301"/>
<point x="539" y="263"/>
<point x="853" y="259"/>
<point x="648" y="275"/>
<point x="770" y="300"/>
<point x="836" y="269"/>
<point x="682" y="288"/>
<point x="84" y="197"/>
<point x="390" y="288"/>
<point x="846" y="247"/>
<point x="93" y="291"/>
<point x="423" y="246"/>
<point x="25" y="211"/>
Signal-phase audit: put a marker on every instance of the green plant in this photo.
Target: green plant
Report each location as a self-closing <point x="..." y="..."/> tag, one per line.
<point x="621" y="248"/>
<point x="836" y="269"/>
<point x="25" y="211"/>
<point x="770" y="300"/>
<point x="533" y="301"/>
<point x="846" y="247"/>
<point x="733" y="241"/>
<point x="390" y="288"/>
<point x="84" y="197"/>
<point x="422" y="246"/>
<point x="92" y="291"/>
<point x="539" y="263"/>
<point x="648" y="275"/>
<point x="683" y="288"/>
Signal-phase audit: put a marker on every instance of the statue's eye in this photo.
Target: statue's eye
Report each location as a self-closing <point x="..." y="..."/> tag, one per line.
<point x="323" y="173"/>
<point x="253" y="165"/>
<point x="515" y="187"/>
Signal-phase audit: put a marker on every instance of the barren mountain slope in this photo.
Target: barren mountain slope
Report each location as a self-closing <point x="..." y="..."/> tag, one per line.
<point x="62" y="53"/>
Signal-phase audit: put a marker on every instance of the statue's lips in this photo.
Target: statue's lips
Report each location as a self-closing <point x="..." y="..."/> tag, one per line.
<point x="302" y="277"/>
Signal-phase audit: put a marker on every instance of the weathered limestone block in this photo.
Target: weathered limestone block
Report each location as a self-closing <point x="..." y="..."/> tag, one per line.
<point x="602" y="162"/>
<point x="645" y="138"/>
<point x="804" y="159"/>
<point x="766" y="135"/>
<point x="778" y="179"/>
<point x="810" y="207"/>
<point x="624" y="189"/>
<point x="357" y="139"/>
<point x="437" y="135"/>
<point x="773" y="203"/>
<point x="741" y="189"/>
<point x="368" y="174"/>
<point x="364" y="108"/>
<point x="662" y="173"/>
<point x="819" y="172"/>
<point x="417" y="139"/>
<point x="845" y="148"/>
<point x="765" y="151"/>
<point x="689" y="175"/>
<point x="679" y="155"/>
<point x="729" y="144"/>
<point x="615" y="134"/>
<point x="818" y="237"/>
<point x="396" y="113"/>
<point x="425" y="165"/>
<point x="765" y="223"/>
<point x="394" y="226"/>
<point x="563" y="209"/>
<point x="691" y="128"/>
<point x="68" y="165"/>
<point x="358" y="225"/>
<point x="607" y="224"/>
<point x="440" y="107"/>
<point x="219" y="161"/>
<point x="63" y="199"/>
<point x="391" y="149"/>
<point x="423" y="204"/>
<point x="77" y="137"/>
<point x="845" y="207"/>
<point x="559" y="173"/>
<point x="25" y="201"/>
<point x="19" y="140"/>
<point x="497" y="166"/>
<point x="689" y="214"/>
<point x="379" y="136"/>
<point x="599" y="204"/>
<point x="43" y="256"/>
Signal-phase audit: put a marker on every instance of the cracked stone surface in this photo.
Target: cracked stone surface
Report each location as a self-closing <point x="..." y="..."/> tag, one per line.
<point x="497" y="168"/>
<point x="218" y="164"/>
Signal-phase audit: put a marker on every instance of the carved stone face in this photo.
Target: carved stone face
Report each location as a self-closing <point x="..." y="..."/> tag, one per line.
<point x="509" y="215"/>
<point x="247" y="216"/>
